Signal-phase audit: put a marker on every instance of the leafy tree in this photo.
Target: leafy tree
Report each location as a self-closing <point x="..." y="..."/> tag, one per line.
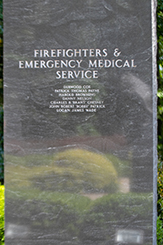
<point x="160" y="76"/>
<point x="160" y="120"/>
<point x="2" y="215"/>
<point x="160" y="102"/>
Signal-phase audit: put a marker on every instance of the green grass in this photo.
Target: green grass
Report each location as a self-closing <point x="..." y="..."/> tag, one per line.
<point x="74" y="170"/>
<point x="2" y="215"/>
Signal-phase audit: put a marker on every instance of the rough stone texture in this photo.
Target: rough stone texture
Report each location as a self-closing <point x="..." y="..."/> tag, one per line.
<point x="57" y="190"/>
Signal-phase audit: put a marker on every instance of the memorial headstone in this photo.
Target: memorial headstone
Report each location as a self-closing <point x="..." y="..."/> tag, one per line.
<point x="80" y="122"/>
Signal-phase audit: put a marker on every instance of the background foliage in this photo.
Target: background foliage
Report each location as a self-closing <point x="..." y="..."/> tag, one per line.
<point x="160" y="121"/>
<point x="2" y="215"/>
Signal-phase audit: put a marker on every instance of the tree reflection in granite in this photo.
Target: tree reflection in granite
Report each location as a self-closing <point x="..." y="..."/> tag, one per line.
<point x="56" y="204"/>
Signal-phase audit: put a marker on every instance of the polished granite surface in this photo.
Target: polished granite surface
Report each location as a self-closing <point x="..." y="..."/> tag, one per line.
<point x="78" y="122"/>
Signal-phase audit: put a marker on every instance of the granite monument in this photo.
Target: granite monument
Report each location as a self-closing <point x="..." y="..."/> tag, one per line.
<point x="80" y="122"/>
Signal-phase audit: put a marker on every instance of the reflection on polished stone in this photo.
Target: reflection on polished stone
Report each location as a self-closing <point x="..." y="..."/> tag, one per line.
<point x="129" y="236"/>
<point x="16" y="231"/>
<point x="124" y="185"/>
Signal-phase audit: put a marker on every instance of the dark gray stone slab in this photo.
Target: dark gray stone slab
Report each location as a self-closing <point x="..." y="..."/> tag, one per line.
<point x="80" y="122"/>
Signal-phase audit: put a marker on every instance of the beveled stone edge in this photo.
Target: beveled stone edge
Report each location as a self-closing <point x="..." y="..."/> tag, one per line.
<point x="154" y="80"/>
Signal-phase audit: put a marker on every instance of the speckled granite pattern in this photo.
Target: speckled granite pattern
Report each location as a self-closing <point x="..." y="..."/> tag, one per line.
<point x="80" y="107"/>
